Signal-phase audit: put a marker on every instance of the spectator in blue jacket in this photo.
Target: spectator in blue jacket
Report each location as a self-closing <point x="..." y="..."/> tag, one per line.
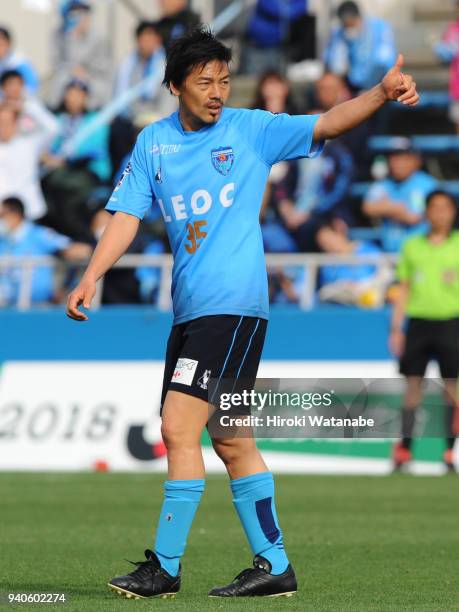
<point x="148" y="59"/>
<point x="20" y="238"/>
<point x="267" y="31"/>
<point x="361" y="47"/>
<point x="13" y="60"/>
<point x="398" y="201"/>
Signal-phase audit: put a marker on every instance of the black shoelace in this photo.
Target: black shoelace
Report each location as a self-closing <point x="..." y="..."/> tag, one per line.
<point x="247" y="572"/>
<point x="145" y="569"/>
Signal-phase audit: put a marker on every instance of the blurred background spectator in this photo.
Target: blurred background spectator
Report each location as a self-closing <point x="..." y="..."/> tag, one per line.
<point x="361" y="48"/>
<point x="14" y="93"/>
<point x="79" y="51"/>
<point x="303" y="194"/>
<point x="75" y="165"/>
<point x="148" y="59"/>
<point x="329" y="90"/>
<point x="399" y="200"/>
<point x="268" y="31"/>
<point x="359" y="284"/>
<point x="176" y="19"/>
<point x="13" y="60"/>
<point x="19" y="237"/>
<point x="273" y="93"/>
<point x="20" y="154"/>
<point x="313" y="191"/>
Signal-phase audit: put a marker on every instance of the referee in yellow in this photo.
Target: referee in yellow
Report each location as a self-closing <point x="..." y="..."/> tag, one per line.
<point x="428" y="271"/>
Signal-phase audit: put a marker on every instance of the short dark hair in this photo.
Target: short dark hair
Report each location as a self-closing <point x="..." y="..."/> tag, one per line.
<point x="195" y="48"/>
<point x="348" y="9"/>
<point x="5" y="33"/>
<point x="440" y="192"/>
<point x="14" y="205"/>
<point x="10" y="74"/>
<point x="144" y="25"/>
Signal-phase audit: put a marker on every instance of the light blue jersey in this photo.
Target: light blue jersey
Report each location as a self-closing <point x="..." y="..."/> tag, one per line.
<point x="209" y="187"/>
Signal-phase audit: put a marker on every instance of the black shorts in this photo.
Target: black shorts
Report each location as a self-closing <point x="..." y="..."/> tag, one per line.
<point x="428" y="340"/>
<point x="215" y="347"/>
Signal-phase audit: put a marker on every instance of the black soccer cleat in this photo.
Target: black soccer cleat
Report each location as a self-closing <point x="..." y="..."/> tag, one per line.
<point x="148" y="580"/>
<point x="257" y="581"/>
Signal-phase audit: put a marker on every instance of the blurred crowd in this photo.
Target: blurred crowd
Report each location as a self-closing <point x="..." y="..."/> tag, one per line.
<point x="64" y="144"/>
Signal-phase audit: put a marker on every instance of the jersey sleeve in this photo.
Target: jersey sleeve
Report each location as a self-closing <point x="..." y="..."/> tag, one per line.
<point x="133" y="194"/>
<point x="281" y="137"/>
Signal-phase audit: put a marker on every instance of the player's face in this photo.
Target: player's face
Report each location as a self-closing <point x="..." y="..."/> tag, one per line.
<point x="203" y="94"/>
<point x="441" y="213"/>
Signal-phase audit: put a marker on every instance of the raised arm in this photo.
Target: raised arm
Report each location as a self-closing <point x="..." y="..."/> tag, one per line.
<point x="342" y="118"/>
<point x="118" y="235"/>
<point x="47" y="124"/>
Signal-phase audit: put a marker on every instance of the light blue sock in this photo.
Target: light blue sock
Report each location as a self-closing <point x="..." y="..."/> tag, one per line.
<point x="253" y="497"/>
<point x="181" y="500"/>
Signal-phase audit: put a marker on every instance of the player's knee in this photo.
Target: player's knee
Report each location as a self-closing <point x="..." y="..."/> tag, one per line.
<point x="176" y="434"/>
<point x="173" y="434"/>
<point x="232" y="450"/>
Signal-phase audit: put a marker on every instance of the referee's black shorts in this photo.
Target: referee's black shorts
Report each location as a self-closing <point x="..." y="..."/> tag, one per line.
<point x="428" y="340"/>
<point x="219" y="347"/>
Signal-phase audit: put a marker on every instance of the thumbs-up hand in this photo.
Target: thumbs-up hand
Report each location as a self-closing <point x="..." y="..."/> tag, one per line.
<point x="399" y="86"/>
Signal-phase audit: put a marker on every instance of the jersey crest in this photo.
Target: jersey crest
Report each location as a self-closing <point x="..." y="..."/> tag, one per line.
<point x="222" y="159"/>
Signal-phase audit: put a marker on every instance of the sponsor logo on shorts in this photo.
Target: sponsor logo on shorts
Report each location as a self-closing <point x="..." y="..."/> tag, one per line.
<point x="204" y="379"/>
<point x="184" y="371"/>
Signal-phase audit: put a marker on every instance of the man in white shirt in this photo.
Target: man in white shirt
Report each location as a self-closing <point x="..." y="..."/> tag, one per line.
<point x="20" y="155"/>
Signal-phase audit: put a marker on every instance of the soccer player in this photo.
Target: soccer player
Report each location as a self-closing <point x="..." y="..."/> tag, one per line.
<point x="428" y="271"/>
<point x="205" y="167"/>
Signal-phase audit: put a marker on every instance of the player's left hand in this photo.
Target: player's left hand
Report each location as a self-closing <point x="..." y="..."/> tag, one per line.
<point x="399" y="86"/>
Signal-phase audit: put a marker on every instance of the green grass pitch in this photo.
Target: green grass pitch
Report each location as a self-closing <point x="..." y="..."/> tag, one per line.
<point x="357" y="543"/>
